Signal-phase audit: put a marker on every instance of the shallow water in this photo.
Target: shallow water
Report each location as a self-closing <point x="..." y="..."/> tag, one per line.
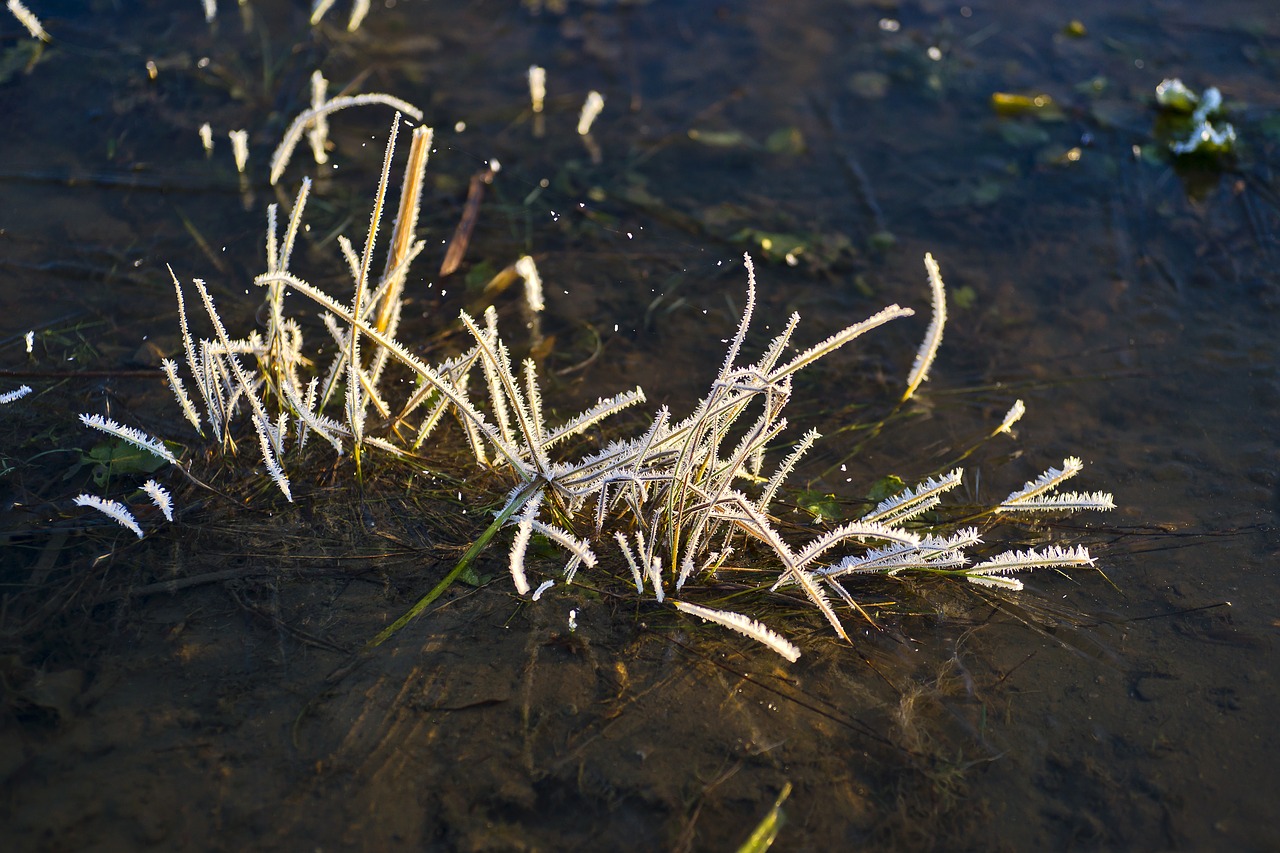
<point x="1132" y="305"/>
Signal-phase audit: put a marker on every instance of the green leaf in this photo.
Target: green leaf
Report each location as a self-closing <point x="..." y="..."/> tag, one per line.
<point x="988" y="191"/>
<point x="786" y="140"/>
<point x="882" y="241"/>
<point x="1039" y="104"/>
<point x="1093" y="86"/>
<point x="775" y="246"/>
<point x="766" y="832"/>
<point x="721" y="138"/>
<point x="821" y="505"/>
<point x="116" y="457"/>
<point x="19" y="59"/>
<point x="479" y="275"/>
<point x="886" y="487"/>
<point x="471" y="577"/>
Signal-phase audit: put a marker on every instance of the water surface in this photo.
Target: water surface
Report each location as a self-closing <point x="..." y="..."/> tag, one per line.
<point x="1129" y="301"/>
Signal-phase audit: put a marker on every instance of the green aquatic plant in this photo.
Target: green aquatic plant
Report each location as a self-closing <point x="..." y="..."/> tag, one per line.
<point x="679" y="499"/>
<point x="113" y="458"/>
<point x="766" y="832"/>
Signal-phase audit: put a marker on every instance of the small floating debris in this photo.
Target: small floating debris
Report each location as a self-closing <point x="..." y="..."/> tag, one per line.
<point x="1207" y="139"/>
<point x="591" y="108"/>
<point x="1040" y="105"/>
<point x="240" y="148"/>
<point x="537" y="87"/>
<point x="1196" y="123"/>
<point x="1172" y="94"/>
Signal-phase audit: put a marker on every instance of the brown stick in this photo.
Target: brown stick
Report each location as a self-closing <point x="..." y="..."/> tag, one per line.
<point x="467" y="224"/>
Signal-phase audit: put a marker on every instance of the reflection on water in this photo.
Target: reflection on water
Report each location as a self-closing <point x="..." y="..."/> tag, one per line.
<point x="202" y="685"/>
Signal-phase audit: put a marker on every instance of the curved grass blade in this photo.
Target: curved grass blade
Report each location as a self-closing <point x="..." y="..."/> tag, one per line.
<point x="468" y="558"/>
<point x="766" y="832"/>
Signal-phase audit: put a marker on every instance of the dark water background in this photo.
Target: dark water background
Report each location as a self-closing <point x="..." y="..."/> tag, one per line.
<point x="1131" y="304"/>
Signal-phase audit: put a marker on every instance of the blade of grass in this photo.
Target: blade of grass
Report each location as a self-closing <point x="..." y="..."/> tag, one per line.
<point x="767" y="831"/>
<point x="468" y="558"/>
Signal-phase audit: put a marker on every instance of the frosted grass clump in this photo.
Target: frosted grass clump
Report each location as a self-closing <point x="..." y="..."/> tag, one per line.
<point x="679" y="499"/>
